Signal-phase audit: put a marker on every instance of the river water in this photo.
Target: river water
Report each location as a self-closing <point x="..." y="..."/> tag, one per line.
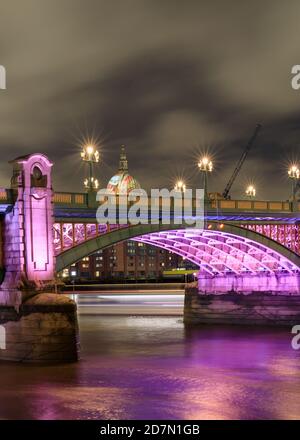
<point x="139" y="366"/>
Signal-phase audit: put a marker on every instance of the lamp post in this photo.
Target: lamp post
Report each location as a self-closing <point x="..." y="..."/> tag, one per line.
<point x="205" y="165"/>
<point x="180" y="186"/>
<point x="250" y="191"/>
<point x="294" y="175"/>
<point x="90" y="155"/>
<point x="91" y="184"/>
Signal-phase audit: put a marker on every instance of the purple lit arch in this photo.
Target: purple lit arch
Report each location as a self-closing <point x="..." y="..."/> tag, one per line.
<point x="217" y="252"/>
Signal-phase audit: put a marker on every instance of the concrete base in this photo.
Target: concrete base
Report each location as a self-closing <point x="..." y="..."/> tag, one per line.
<point x="277" y="283"/>
<point x="256" y="308"/>
<point x="44" y="329"/>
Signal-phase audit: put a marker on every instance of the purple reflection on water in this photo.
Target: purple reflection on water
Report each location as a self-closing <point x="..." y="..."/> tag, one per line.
<point x="136" y="367"/>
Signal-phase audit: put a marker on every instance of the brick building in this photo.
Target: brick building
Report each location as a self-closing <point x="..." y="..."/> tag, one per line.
<point x="128" y="261"/>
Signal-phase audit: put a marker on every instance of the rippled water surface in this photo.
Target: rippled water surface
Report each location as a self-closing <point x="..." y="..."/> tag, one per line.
<point x="151" y="367"/>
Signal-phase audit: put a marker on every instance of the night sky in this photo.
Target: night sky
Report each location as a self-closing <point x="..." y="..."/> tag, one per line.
<point x="169" y="79"/>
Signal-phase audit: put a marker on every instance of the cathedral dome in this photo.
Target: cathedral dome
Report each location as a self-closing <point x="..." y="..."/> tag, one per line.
<point x="123" y="182"/>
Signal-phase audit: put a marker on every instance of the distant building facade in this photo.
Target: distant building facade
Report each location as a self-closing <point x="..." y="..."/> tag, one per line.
<point x="128" y="261"/>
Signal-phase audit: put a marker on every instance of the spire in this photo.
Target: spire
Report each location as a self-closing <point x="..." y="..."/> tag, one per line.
<point x="123" y="163"/>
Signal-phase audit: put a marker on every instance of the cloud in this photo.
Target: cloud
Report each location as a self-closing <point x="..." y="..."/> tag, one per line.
<point x="164" y="80"/>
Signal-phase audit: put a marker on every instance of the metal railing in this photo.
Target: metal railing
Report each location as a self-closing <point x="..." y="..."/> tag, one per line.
<point x="84" y="200"/>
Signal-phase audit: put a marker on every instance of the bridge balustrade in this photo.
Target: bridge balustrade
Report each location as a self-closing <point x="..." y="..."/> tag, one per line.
<point x="81" y="200"/>
<point x="253" y="205"/>
<point x="62" y="198"/>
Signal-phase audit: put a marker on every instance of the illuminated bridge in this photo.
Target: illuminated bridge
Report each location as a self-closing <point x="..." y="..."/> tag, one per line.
<point x="248" y="254"/>
<point x="245" y="245"/>
<point x="244" y="238"/>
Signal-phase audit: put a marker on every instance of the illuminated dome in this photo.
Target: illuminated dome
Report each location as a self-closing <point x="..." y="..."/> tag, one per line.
<point x="122" y="182"/>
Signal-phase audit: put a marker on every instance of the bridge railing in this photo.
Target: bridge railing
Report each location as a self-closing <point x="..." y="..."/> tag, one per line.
<point x="65" y="198"/>
<point x="82" y="200"/>
<point x="6" y="196"/>
<point x="253" y="205"/>
<point x="3" y="195"/>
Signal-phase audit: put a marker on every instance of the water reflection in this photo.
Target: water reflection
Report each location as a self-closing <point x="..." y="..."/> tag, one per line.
<point x="136" y="367"/>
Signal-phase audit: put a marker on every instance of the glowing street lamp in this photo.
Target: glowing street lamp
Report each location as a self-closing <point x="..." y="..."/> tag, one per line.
<point x="90" y="155"/>
<point x="251" y="191"/>
<point x="180" y="186"/>
<point x="91" y="183"/>
<point x="294" y="175"/>
<point x="205" y="165"/>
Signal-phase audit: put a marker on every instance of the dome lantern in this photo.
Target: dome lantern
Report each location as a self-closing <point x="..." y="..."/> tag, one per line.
<point x="123" y="162"/>
<point x="123" y="182"/>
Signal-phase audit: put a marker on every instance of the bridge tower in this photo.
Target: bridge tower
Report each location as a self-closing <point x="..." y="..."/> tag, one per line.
<point x="35" y="323"/>
<point x="28" y="255"/>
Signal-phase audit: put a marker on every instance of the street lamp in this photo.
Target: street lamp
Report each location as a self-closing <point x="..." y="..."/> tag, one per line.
<point x="205" y="165"/>
<point x="294" y="174"/>
<point x="90" y="155"/>
<point x="91" y="183"/>
<point x="180" y="186"/>
<point x="251" y="191"/>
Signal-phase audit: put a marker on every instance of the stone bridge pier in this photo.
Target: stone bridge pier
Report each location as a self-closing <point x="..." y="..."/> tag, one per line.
<point x="266" y="299"/>
<point x="37" y="323"/>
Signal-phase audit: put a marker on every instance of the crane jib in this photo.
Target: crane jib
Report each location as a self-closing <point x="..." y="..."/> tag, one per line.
<point x="240" y="162"/>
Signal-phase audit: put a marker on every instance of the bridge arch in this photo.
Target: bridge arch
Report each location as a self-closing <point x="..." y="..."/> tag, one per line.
<point x="220" y="248"/>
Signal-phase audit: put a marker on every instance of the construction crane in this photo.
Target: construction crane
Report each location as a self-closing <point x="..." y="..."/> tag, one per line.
<point x="240" y="163"/>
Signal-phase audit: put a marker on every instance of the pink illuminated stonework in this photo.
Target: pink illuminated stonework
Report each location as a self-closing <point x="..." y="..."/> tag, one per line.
<point x="27" y="235"/>
<point x="38" y="217"/>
